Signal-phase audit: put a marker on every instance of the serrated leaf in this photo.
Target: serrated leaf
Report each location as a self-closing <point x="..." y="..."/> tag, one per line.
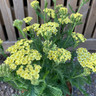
<point x="53" y="91"/>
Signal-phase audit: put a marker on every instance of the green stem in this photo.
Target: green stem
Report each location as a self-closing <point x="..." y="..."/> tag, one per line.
<point x="81" y="75"/>
<point x="82" y="3"/>
<point x="41" y="91"/>
<point x="2" y="51"/>
<point x="45" y="75"/>
<point x="66" y="40"/>
<point x="69" y="34"/>
<point x="22" y="33"/>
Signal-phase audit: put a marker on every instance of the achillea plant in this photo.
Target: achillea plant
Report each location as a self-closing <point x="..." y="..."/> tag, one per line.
<point x="43" y="65"/>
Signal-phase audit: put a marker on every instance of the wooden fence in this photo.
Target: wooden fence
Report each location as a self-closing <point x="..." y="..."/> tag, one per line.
<point x="18" y="9"/>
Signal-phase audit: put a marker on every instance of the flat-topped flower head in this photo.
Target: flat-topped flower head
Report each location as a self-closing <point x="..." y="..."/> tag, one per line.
<point x="17" y="23"/>
<point x="76" y="17"/>
<point x="59" y="6"/>
<point x="48" y="45"/>
<point x="22" y="54"/>
<point x="27" y="19"/>
<point x="34" y="27"/>
<point x="86" y="59"/>
<point x="50" y="12"/>
<point x="35" y="4"/>
<point x="60" y="55"/>
<point x="46" y="30"/>
<point x="1" y="41"/>
<point x="30" y="73"/>
<point x="62" y="12"/>
<point x="64" y="21"/>
<point x="78" y="37"/>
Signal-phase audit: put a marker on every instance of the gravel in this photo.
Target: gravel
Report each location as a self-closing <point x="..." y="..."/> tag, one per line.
<point x="91" y="89"/>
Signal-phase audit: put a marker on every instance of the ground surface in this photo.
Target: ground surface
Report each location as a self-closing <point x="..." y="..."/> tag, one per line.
<point x="7" y="90"/>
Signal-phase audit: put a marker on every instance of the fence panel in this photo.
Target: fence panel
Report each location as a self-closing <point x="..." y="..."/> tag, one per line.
<point x="7" y="17"/>
<point x="84" y="11"/>
<point x="19" y="14"/>
<point x="22" y="8"/>
<point x="31" y="12"/>
<point x="91" y="21"/>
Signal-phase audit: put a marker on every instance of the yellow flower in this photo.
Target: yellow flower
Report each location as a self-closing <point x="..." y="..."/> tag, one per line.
<point x="46" y="30"/>
<point x="60" y="55"/>
<point x="35" y="4"/>
<point x="29" y="73"/>
<point x="86" y="59"/>
<point x="76" y="17"/>
<point x="1" y="41"/>
<point x="59" y="6"/>
<point x="12" y="66"/>
<point x="50" y="12"/>
<point x="27" y="19"/>
<point x="64" y="21"/>
<point x="78" y="37"/>
<point x="63" y="10"/>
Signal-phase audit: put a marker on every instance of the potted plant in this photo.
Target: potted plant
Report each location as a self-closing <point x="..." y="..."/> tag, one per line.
<point x="42" y="65"/>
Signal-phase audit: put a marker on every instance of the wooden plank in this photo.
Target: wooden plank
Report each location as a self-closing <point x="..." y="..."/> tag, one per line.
<point x="73" y="3"/>
<point x="31" y="12"/>
<point x="90" y="44"/>
<point x="2" y="33"/>
<point x="1" y="19"/>
<point x="7" y="44"/>
<point x="60" y="2"/>
<point x="91" y="21"/>
<point x="7" y="17"/>
<point x="84" y="11"/>
<point x="94" y="36"/>
<point x="19" y="11"/>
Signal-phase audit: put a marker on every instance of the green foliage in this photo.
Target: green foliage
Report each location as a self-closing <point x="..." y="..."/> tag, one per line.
<point x="53" y="78"/>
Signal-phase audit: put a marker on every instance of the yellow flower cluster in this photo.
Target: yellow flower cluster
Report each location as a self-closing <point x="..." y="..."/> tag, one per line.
<point x="21" y="44"/>
<point x="47" y="45"/>
<point x="86" y="59"/>
<point x="76" y="17"/>
<point x="1" y="41"/>
<point x="64" y="21"/>
<point x="59" y="6"/>
<point x="23" y="55"/>
<point x="35" y="4"/>
<point x="60" y="55"/>
<point x="50" y="12"/>
<point x="27" y="19"/>
<point x="46" y="30"/>
<point x="62" y="12"/>
<point x="78" y="37"/>
<point x="34" y="27"/>
<point x="30" y="73"/>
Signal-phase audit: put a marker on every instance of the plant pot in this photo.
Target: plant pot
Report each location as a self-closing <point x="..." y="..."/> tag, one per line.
<point x="69" y="87"/>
